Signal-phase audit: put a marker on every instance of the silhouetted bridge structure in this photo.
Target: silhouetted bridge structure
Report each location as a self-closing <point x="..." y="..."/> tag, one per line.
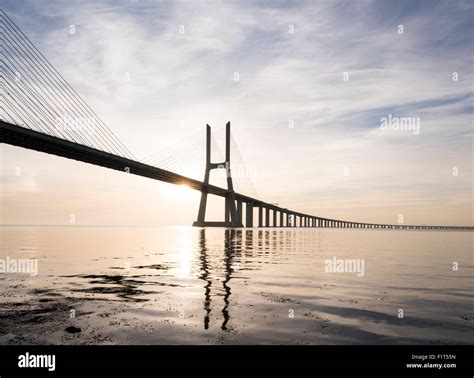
<point x="40" y="110"/>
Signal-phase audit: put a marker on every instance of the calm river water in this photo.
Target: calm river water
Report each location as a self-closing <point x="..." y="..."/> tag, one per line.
<point x="182" y="285"/>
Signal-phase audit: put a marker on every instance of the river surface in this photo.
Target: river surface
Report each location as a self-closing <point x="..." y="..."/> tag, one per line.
<point x="183" y="285"/>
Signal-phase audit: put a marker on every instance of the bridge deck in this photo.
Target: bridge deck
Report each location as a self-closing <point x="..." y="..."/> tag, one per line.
<point x="33" y="140"/>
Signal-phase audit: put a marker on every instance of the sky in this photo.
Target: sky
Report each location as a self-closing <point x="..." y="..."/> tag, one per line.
<point x="308" y="86"/>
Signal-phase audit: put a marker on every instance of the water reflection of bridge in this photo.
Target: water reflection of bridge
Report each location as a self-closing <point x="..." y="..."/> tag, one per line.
<point x="229" y="252"/>
<point x="239" y="243"/>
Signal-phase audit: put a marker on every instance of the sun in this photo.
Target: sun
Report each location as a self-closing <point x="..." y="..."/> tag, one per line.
<point x="184" y="194"/>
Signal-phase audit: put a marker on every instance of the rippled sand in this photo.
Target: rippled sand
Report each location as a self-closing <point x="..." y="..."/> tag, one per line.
<point x="251" y="286"/>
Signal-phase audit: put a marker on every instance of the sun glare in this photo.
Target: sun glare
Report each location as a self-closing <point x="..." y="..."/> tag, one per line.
<point x="183" y="193"/>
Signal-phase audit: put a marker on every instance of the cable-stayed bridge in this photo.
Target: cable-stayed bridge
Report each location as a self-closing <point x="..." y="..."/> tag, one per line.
<point x="42" y="112"/>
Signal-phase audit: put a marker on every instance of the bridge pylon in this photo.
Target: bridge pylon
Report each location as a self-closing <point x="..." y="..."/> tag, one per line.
<point x="232" y="217"/>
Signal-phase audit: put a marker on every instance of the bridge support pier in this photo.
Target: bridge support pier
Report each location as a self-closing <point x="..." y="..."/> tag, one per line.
<point x="239" y="209"/>
<point x="249" y="214"/>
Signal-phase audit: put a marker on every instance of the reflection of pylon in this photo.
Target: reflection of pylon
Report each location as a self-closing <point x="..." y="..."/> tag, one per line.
<point x="231" y="215"/>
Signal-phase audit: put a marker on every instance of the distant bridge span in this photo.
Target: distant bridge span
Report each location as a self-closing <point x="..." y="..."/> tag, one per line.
<point x="282" y="217"/>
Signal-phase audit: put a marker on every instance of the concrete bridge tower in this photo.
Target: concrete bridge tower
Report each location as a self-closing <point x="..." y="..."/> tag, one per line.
<point x="232" y="217"/>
